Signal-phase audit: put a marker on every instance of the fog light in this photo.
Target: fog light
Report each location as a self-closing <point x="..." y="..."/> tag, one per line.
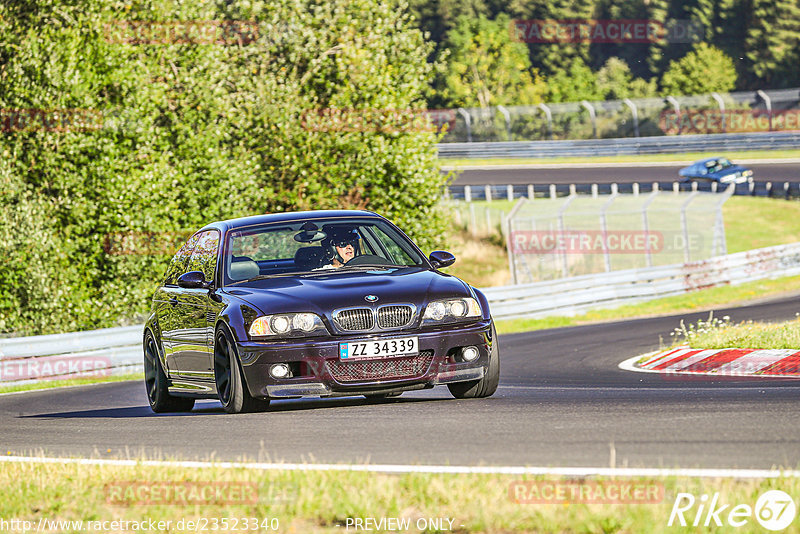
<point x="280" y="370"/>
<point x="470" y="353"/>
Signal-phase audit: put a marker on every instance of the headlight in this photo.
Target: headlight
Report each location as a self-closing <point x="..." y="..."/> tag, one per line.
<point x="288" y="324"/>
<point x="440" y="311"/>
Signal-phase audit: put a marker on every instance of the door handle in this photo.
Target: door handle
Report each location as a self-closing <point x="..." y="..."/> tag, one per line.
<point x="173" y="301"/>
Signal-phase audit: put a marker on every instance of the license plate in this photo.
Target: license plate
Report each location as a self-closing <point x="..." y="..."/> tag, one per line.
<point x="381" y="348"/>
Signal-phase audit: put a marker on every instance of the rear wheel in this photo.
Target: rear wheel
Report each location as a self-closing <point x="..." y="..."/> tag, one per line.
<point x="486" y="386"/>
<point x="155" y="381"/>
<point x="231" y="388"/>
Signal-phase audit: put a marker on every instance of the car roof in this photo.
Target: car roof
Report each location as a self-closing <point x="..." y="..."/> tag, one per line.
<point x="289" y="216"/>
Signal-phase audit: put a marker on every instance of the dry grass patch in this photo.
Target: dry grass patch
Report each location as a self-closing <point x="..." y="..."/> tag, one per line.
<point x="481" y="261"/>
<point x="323" y="501"/>
<point x="716" y="333"/>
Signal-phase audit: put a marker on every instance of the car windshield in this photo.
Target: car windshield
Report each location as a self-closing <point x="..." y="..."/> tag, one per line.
<point x="316" y="247"/>
<point x="718" y="164"/>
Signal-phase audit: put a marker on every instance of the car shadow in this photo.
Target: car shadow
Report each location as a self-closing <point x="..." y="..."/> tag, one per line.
<point x="118" y="413"/>
<point x="287" y="405"/>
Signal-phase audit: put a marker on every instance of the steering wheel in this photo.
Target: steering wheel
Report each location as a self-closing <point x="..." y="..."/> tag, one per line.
<point x="368" y="259"/>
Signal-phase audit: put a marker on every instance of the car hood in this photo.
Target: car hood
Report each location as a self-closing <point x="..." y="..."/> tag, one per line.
<point x="326" y="292"/>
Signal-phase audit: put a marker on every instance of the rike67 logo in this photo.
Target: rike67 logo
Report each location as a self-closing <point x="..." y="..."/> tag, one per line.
<point x="774" y="510"/>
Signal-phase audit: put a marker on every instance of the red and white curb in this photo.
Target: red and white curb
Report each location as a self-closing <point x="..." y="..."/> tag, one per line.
<point x="761" y="363"/>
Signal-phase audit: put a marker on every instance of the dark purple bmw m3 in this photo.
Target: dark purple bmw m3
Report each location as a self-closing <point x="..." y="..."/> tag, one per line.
<point x="312" y="304"/>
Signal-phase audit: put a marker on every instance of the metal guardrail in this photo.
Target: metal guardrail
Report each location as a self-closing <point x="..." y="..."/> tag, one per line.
<point x="119" y="350"/>
<point x="626" y="146"/>
<point x="109" y="351"/>
<point x="575" y="295"/>
<point x="787" y="190"/>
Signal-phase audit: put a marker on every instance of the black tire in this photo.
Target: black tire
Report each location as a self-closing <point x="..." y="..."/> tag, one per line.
<point x="155" y="382"/>
<point x="486" y="386"/>
<point x="229" y="379"/>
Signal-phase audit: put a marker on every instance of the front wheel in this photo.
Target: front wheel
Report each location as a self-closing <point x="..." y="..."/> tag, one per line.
<point x="155" y="382"/>
<point x="486" y="386"/>
<point x="231" y="388"/>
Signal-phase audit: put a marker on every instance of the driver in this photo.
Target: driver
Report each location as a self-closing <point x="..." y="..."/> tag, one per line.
<point x="344" y="243"/>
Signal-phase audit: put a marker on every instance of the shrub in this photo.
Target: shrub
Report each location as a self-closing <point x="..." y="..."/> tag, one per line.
<point x="170" y="136"/>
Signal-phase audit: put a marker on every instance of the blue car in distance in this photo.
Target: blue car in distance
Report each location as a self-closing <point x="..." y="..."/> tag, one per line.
<point x="720" y="170"/>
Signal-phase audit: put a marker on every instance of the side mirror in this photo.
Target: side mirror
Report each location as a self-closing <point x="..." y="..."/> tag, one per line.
<point x="193" y="280"/>
<point x="442" y="258"/>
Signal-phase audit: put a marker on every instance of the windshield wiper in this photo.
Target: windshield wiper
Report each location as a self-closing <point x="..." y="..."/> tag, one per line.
<point x="370" y="266"/>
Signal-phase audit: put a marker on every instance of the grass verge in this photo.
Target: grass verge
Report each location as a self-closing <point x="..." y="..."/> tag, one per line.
<point x="720" y="333"/>
<point x="752" y="223"/>
<point x="323" y="501"/>
<point x="49" y="384"/>
<point x="691" y="156"/>
<point x="705" y="299"/>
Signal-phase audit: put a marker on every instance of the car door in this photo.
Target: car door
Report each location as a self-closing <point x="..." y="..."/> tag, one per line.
<point x="166" y="300"/>
<point x="192" y="342"/>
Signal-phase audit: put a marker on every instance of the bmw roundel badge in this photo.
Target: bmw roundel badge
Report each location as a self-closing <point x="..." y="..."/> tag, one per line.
<point x="371" y="298"/>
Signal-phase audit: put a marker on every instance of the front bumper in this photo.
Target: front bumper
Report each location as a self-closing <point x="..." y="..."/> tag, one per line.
<point x="325" y="375"/>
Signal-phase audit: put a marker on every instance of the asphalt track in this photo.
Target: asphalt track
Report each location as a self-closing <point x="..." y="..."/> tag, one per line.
<point x="618" y="173"/>
<point x="563" y="402"/>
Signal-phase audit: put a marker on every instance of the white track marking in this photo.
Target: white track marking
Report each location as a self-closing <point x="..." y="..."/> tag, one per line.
<point x="433" y="469"/>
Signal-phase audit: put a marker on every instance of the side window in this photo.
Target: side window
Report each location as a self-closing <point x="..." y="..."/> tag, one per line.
<point x="178" y="263"/>
<point x="204" y="256"/>
<point x="399" y="256"/>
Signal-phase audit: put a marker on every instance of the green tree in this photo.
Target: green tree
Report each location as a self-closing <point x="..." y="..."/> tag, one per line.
<point x="184" y="133"/>
<point x="615" y="81"/>
<point x="574" y="83"/>
<point x="772" y="43"/>
<point x="486" y="67"/>
<point x="703" y="70"/>
<point x="437" y="17"/>
<point x="550" y="58"/>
